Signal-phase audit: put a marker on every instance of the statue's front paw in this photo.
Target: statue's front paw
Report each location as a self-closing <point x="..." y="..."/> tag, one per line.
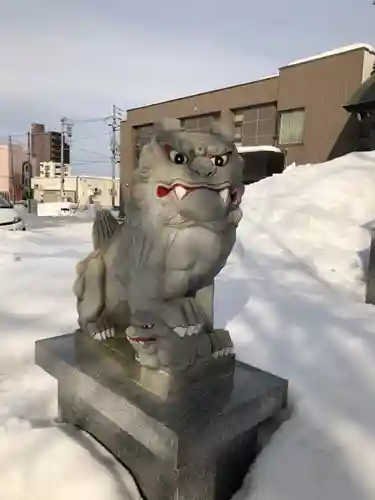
<point x="98" y="330"/>
<point x="221" y="343"/>
<point x="147" y="360"/>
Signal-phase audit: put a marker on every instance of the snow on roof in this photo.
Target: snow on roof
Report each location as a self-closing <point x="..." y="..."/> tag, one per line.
<point x="333" y="52"/>
<point x="250" y="149"/>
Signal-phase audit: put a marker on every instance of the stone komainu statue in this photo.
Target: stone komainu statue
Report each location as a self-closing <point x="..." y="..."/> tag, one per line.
<point x="142" y="281"/>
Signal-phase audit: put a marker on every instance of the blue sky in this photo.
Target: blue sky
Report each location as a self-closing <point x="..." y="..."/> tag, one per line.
<point x="78" y="57"/>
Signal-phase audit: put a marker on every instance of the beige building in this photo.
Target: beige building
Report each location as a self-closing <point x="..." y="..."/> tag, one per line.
<point x="53" y="169"/>
<point x="82" y="190"/>
<point x="11" y="160"/>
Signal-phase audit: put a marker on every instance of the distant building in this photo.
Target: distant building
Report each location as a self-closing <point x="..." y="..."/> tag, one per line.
<point x="83" y="190"/>
<point x="52" y="169"/>
<point x="299" y="110"/>
<point x="46" y="147"/>
<point x="11" y="160"/>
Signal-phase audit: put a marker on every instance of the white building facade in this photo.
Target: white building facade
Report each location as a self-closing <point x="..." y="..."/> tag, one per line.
<point x="52" y="169"/>
<point x="82" y="190"/>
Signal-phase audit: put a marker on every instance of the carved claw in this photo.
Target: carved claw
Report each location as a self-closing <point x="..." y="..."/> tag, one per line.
<point x="221" y="343"/>
<point x="105" y="334"/>
<point x="223" y="352"/>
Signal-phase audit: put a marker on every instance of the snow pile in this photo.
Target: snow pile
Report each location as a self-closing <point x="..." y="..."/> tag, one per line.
<point x="55" y="208"/>
<point x="299" y="312"/>
<point x="38" y="459"/>
<point x="292" y="296"/>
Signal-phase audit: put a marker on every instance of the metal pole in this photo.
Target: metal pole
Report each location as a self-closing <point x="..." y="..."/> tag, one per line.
<point x="62" y="172"/>
<point x="28" y="181"/>
<point x="114" y="155"/>
<point x="11" y="167"/>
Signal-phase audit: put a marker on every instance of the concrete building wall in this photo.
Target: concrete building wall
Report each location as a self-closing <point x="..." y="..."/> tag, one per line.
<point x="78" y="188"/>
<point x="368" y="64"/>
<point x="4" y="169"/>
<point x="321" y="87"/>
<point x="87" y="186"/>
<point x="222" y="101"/>
<point x="10" y="175"/>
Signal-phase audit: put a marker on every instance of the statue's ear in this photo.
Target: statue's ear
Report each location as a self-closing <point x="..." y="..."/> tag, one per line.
<point x="166" y="125"/>
<point x="224" y="129"/>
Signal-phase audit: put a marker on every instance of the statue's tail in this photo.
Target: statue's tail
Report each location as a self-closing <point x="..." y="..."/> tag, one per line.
<point x="105" y="225"/>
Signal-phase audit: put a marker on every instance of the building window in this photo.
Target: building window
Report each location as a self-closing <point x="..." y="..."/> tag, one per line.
<point x="255" y="126"/>
<point x="199" y="123"/>
<point x="291" y="127"/>
<point x="143" y="135"/>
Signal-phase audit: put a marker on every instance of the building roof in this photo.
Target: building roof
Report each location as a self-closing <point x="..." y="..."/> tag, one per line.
<point x="333" y="52"/>
<point x="364" y="97"/>
<point x="269" y="77"/>
<point x="252" y="149"/>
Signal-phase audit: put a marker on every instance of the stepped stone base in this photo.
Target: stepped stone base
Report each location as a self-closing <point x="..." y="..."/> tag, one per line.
<point x="192" y="442"/>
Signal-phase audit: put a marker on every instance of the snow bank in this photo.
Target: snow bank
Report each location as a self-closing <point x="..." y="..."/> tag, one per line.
<point x="292" y="296"/>
<point x="297" y="274"/>
<point x="54" y="208"/>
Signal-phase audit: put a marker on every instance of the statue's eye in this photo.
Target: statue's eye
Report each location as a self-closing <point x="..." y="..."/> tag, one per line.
<point x="221" y="160"/>
<point x="178" y="158"/>
<point x="147" y="327"/>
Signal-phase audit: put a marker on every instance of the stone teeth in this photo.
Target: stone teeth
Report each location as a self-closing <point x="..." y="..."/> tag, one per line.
<point x="180" y="330"/>
<point x="224" y="195"/>
<point x="192" y="330"/>
<point x="180" y="192"/>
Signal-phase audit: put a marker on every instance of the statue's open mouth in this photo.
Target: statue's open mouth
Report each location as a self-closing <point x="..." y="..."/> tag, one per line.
<point x="142" y="340"/>
<point x="181" y="190"/>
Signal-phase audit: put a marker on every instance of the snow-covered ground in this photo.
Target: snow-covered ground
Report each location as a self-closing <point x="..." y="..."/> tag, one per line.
<point x="292" y="296"/>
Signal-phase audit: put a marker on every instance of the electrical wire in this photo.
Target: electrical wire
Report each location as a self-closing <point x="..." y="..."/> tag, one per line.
<point x="89" y="162"/>
<point x="93" y="136"/>
<point x="88" y="120"/>
<point x="102" y="155"/>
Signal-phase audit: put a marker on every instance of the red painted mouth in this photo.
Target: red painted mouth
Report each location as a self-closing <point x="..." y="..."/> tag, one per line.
<point x="226" y="193"/>
<point x="142" y="339"/>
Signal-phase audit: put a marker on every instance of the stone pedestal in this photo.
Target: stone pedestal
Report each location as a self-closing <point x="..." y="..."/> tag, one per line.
<point x="194" y="442"/>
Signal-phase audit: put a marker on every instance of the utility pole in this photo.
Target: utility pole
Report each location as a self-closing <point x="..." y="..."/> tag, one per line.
<point x="117" y="117"/>
<point x="62" y="169"/>
<point x="11" y="167"/>
<point x="29" y="170"/>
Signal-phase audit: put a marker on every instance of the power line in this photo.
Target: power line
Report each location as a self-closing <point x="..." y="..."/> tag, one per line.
<point x="90" y="120"/>
<point x="92" y="152"/>
<point x="89" y="162"/>
<point x="93" y="136"/>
